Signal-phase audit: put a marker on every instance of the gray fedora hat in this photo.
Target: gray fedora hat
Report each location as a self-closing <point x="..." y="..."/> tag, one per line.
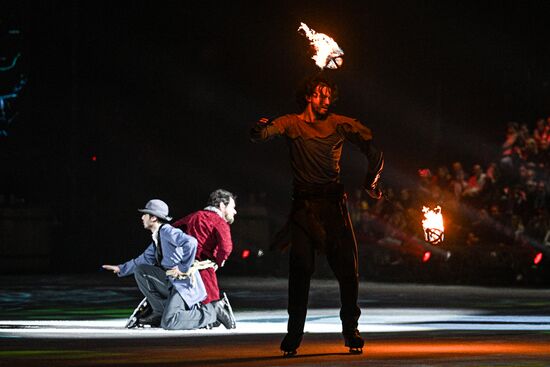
<point x="158" y="208"/>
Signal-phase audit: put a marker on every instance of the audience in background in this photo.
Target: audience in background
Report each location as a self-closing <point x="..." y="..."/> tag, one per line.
<point x="505" y="202"/>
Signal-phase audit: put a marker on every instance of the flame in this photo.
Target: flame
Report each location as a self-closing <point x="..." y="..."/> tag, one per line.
<point x="433" y="225"/>
<point x="327" y="52"/>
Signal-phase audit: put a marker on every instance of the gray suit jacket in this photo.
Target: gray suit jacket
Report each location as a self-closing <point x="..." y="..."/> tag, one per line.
<point x="178" y="249"/>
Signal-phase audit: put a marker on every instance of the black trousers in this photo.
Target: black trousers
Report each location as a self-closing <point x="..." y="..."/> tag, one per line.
<point x="153" y="282"/>
<point x="322" y="224"/>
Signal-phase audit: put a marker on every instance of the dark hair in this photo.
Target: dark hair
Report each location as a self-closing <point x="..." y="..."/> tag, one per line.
<point x="308" y="86"/>
<point x="220" y="196"/>
<point x="513" y="124"/>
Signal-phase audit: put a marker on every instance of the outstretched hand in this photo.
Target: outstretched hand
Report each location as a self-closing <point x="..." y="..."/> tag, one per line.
<point x="114" y="268"/>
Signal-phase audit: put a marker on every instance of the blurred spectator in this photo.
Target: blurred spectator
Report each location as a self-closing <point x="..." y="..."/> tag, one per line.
<point x="538" y="226"/>
<point x="443" y="177"/>
<point x="512" y="141"/>
<point x="405" y="201"/>
<point x="427" y="191"/>
<point x="523" y="133"/>
<point x="530" y="152"/>
<point x="475" y="182"/>
<point x="544" y="155"/>
<point x="489" y="192"/>
<point x="511" y="149"/>
<point x="541" y="133"/>
<point x="458" y="179"/>
<point x="517" y="226"/>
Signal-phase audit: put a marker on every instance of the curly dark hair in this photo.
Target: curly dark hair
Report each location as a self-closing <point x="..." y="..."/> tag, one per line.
<point x="220" y="196"/>
<point x="308" y="86"/>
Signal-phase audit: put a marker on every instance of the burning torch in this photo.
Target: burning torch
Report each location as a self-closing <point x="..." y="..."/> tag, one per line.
<point x="434" y="231"/>
<point x="328" y="55"/>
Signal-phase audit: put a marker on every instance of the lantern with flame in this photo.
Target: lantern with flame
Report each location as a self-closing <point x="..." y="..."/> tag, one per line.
<point x="434" y="231"/>
<point x="327" y="52"/>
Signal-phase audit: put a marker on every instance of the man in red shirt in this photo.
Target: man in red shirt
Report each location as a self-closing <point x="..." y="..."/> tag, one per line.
<point x="210" y="227"/>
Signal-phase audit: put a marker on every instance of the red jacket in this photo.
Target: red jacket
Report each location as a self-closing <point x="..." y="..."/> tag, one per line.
<point x="214" y="243"/>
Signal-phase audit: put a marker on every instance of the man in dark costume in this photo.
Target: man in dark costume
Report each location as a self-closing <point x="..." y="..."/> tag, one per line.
<point x="319" y="220"/>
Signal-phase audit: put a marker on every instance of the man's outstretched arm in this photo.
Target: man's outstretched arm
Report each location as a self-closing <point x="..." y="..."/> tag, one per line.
<point x="264" y="129"/>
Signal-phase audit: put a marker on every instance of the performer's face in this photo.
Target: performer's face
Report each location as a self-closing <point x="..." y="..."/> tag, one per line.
<point x="320" y="100"/>
<point x="148" y="221"/>
<point x="229" y="211"/>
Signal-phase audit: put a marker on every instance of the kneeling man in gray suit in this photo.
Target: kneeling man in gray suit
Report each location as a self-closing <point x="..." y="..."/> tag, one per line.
<point x="173" y="301"/>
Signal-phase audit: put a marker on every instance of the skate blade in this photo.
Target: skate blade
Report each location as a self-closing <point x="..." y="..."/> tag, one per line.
<point x="289" y="353"/>
<point x="132" y="320"/>
<point x="133" y="323"/>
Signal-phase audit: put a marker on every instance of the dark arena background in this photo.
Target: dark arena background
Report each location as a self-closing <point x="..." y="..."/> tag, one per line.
<point x="107" y="104"/>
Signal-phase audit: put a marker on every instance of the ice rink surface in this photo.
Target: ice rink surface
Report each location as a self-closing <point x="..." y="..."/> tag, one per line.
<point x="79" y="321"/>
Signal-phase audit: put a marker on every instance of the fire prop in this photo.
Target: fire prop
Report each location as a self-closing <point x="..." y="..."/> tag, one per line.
<point x="327" y="52"/>
<point x="434" y="231"/>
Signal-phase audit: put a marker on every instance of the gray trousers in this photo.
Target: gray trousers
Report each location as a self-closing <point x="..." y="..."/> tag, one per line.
<point x="177" y="316"/>
<point x="154" y="284"/>
<point x="166" y="301"/>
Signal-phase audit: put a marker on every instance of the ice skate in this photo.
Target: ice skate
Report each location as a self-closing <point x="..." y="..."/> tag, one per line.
<point x="142" y="310"/>
<point x="290" y="344"/>
<point x="153" y="320"/>
<point x="224" y="313"/>
<point x="354" y="342"/>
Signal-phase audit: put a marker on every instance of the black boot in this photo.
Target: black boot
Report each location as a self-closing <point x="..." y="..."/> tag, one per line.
<point x="290" y="343"/>
<point x="153" y="320"/>
<point x="142" y="310"/>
